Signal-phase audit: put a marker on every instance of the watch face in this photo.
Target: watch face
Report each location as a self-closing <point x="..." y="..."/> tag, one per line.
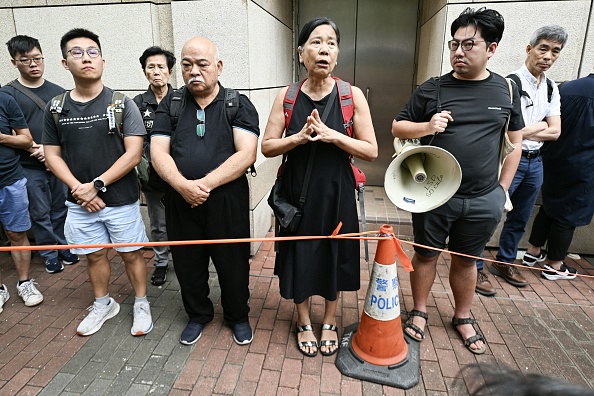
<point x="99" y="184"/>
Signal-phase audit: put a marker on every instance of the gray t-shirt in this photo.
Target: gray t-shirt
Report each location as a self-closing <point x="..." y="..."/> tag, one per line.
<point x="89" y="149"/>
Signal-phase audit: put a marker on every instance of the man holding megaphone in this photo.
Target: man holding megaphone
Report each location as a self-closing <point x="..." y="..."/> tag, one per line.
<point x="467" y="111"/>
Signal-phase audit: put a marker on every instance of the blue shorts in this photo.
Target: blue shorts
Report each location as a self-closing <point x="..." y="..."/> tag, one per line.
<point x="14" y="207"/>
<point x="468" y="222"/>
<point x="112" y="224"/>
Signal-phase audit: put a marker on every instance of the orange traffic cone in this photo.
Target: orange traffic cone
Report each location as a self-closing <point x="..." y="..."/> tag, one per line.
<point x="375" y="349"/>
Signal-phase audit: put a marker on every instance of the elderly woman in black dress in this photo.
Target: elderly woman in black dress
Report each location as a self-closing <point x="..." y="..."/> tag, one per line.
<point x="319" y="267"/>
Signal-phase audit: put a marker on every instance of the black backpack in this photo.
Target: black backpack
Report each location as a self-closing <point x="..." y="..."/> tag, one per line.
<point x="515" y="78"/>
<point x="178" y="98"/>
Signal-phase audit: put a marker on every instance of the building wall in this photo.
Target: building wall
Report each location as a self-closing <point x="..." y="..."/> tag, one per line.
<point x="254" y="38"/>
<point x="522" y="18"/>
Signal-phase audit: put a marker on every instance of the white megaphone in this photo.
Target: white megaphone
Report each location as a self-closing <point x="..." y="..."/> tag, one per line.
<point x="421" y="178"/>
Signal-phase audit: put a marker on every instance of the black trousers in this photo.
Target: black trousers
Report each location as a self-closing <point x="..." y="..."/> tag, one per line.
<point x="557" y="236"/>
<point x="224" y="215"/>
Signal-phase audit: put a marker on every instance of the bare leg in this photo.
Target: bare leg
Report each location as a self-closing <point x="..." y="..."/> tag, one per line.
<point x="462" y="281"/>
<point x="22" y="258"/>
<point x="533" y="250"/>
<point x="136" y="271"/>
<point x="421" y="280"/>
<point x="330" y="318"/>
<point x="99" y="272"/>
<point x="302" y="320"/>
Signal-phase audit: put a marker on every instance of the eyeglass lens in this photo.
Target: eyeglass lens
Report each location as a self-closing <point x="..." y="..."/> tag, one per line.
<point x="79" y="52"/>
<point x="27" y="61"/>
<point x="201" y="127"/>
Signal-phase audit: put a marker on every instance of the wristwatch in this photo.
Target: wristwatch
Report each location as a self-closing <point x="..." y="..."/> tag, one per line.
<point x="99" y="184"/>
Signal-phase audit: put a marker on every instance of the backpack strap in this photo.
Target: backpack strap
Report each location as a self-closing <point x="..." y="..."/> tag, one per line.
<point x="289" y="101"/>
<point x="115" y="113"/>
<point x="28" y="93"/>
<point x="515" y="78"/>
<point x="56" y="107"/>
<point x="347" y="106"/>
<point x="178" y="99"/>
<point x="231" y="109"/>
<point x="549" y="89"/>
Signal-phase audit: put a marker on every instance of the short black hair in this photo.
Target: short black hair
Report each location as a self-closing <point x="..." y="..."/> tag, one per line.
<point x="22" y="44"/>
<point x="152" y="51"/>
<point x="312" y="25"/>
<point x="77" y="33"/>
<point x="489" y="22"/>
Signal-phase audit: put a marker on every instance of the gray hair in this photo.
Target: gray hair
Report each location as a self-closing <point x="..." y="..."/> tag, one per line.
<point x="553" y="33"/>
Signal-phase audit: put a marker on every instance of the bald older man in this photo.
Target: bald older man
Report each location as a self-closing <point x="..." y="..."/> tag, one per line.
<point x="203" y="156"/>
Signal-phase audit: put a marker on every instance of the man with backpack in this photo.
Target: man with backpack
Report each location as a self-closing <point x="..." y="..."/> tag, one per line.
<point x="93" y="139"/>
<point x="157" y="65"/>
<point x="204" y="155"/>
<point x="46" y="192"/>
<point x="541" y="110"/>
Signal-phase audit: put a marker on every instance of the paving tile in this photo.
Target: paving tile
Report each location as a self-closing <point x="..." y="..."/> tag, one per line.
<point x="290" y="373"/>
<point x="432" y="377"/>
<point x="227" y="380"/>
<point x="252" y="367"/>
<point x="268" y="383"/>
<point x="58" y="384"/>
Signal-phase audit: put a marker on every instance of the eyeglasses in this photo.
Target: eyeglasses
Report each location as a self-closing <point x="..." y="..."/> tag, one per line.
<point x="79" y="52"/>
<point x="201" y="127"/>
<point x="466" y="44"/>
<point x="27" y="61"/>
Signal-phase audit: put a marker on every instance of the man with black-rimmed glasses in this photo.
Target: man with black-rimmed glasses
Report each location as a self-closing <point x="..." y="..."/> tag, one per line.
<point x="46" y="192"/>
<point x="476" y="104"/>
<point x="86" y="150"/>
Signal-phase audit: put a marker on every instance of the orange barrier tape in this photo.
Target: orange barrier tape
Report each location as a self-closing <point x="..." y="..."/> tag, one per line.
<point x="402" y="256"/>
<point x="486" y="259"/>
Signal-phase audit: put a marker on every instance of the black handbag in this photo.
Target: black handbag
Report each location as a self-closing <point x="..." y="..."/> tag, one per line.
<point x="288" y="216"/>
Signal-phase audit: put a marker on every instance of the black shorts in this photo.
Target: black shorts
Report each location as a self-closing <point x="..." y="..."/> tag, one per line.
<point x="469" y="223"/>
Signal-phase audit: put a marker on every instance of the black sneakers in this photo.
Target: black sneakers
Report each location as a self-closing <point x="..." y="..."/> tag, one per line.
<point x="564" y="273"/>
<point x="159" y="276"/>
<point x="529" y="260"/>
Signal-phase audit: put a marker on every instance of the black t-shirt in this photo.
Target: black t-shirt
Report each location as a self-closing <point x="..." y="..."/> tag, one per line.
<point x="33" y="116"/>
<point x="480" y="110"/>
<point x="195" y="157"/>
<point x="11" y="117"/>
<point x="87" y="146"/>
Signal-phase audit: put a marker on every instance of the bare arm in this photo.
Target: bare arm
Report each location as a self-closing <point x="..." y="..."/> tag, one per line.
<point x="510" y="165"/>
<point x="405" y="129"/>
<point x="20" y="139"/>
<point x="541" y="131"/>
<point x="273" y="143"/>
<point x="133" y="151"/>
<point x="246" y="145"/>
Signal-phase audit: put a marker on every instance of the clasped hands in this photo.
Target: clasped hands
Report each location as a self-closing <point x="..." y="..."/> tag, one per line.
<point x="314" y="130"/>
<point x="195" y="192"/>
<point x="86" y="196"/>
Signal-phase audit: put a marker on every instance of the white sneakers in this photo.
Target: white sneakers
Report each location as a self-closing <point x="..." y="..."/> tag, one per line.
<point x="99" y="313"/>
<point x="4" y="296"/>
<point x="143" y="322"/>
<point x="29" y="293"/>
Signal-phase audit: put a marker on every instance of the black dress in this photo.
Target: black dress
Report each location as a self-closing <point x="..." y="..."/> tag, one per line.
<point x="319" y="267"/>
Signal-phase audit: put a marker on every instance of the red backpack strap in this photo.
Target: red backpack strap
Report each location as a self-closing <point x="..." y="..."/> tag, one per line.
<point x="345" y="94"/>
<point x="289" y="100"/>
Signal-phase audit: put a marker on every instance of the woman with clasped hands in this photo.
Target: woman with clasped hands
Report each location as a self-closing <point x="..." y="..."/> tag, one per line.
<point x="321" y="267"/>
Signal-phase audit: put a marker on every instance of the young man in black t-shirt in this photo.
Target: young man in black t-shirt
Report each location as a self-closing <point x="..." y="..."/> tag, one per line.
<point x="97" y="164"/>
<point x="476" y="104"/>
<point x="46" y="192"/>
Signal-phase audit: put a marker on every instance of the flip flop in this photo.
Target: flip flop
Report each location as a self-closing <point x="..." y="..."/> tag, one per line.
<point x="329" y="343"/>
<point x="304" y="344"/>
